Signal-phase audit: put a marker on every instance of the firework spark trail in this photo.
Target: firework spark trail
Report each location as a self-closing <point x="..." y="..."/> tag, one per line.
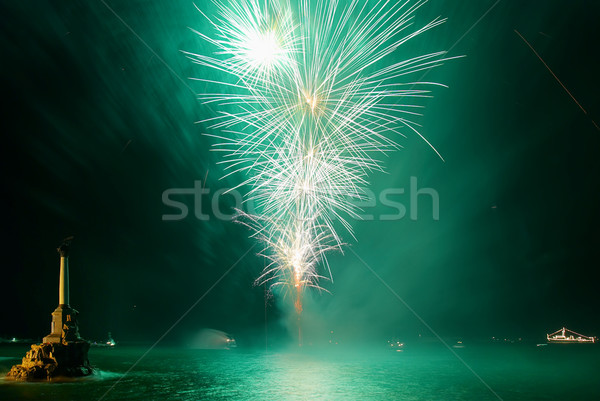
<point x="555" y="77"/>
<point x="308" y="105"/>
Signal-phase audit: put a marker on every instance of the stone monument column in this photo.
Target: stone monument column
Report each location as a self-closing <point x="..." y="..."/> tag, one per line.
<point x="63" y="285"/>
<point x="64" y="318"/>
<point x="62" y="352"/>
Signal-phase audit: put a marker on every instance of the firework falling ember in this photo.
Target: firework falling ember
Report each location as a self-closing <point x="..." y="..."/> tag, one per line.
<point x="310" y="97"/>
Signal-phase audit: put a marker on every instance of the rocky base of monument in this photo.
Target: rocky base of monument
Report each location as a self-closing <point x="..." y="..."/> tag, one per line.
<point x="51" y="360"/>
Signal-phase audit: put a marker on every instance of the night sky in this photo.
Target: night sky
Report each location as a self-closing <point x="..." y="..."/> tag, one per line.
<point x="99" y="118"/>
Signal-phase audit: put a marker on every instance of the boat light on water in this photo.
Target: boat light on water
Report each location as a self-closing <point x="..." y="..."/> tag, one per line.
<point x="565" y="335"/>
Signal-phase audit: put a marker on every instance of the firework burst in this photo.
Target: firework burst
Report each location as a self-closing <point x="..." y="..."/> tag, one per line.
<point x="308" y="101"/>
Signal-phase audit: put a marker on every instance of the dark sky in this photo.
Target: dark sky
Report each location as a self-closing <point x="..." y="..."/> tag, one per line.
<point x="99" y="119"/>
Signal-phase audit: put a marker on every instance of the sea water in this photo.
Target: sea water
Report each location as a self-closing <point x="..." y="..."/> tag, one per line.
<point x="426" y="372"/>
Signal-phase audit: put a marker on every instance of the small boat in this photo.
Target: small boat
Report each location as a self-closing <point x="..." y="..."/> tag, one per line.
<point x="108" y="343"/>
<point x="230" y="342"/>
<point x="566" y="336"/>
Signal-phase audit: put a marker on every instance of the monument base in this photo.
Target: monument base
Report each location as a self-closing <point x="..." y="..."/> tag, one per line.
<point x="64" y="326"/>
<point x="49" y="360"/>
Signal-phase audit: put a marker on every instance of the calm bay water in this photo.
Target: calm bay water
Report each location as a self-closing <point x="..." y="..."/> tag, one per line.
<point x="432" y="372"/>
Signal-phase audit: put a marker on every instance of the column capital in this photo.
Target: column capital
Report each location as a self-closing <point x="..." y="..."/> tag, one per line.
<point x="63" y="249"/>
